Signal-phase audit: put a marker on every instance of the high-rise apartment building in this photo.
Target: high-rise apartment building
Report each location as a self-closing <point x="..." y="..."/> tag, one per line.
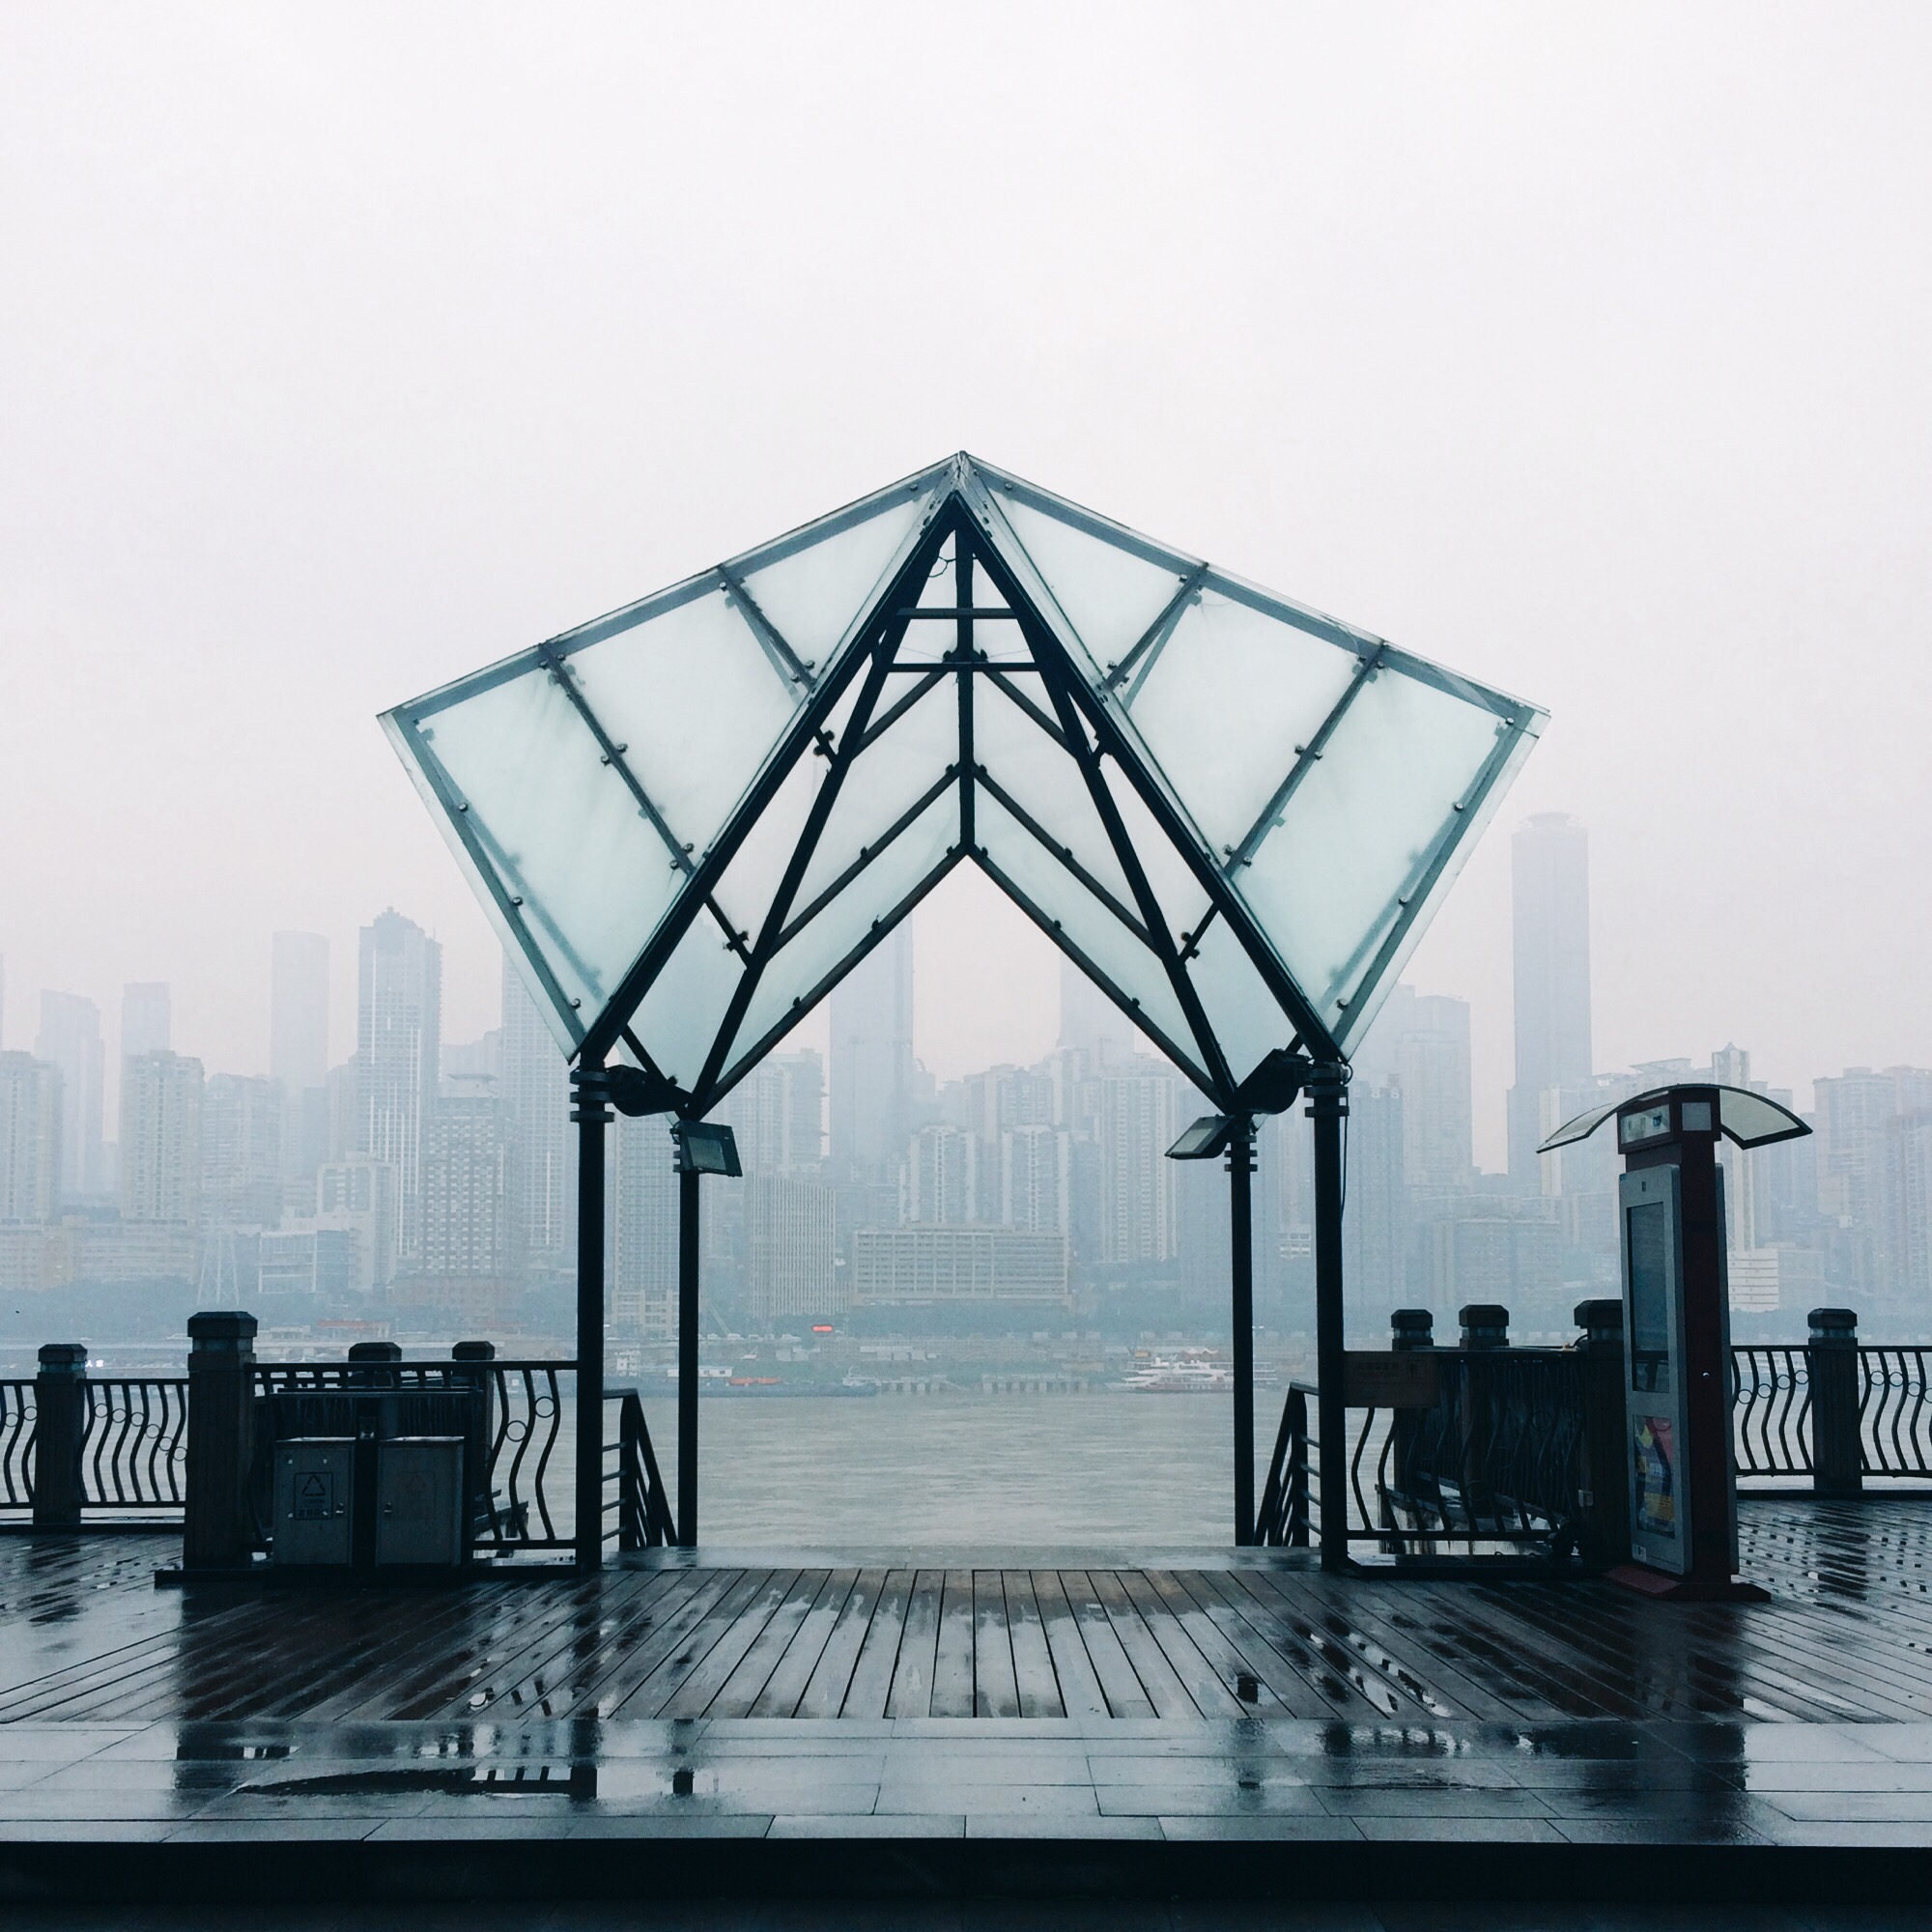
<point x="161" y="1102"/>
<point x="942" y="1181"/>
<point x="790" y="1248"/>
<point x="358" y="1197"/>
<point x="1036" y="1179"/>
<point x="398" y="1043"/>
<point x="871" y="1072"/>
<point x="776" y="1112"/>
<point x="534" y="1083"/>
<point x="30" y="1139"/>
<point x="299" y="1052"/>
<point x="1420" y="1045"/>
<point x="1550" y="923"/>
<point x="70" y="1037"/>
<point x="242" y="1120"/>
<point x="643" y="1261"/>
<point x="468" y="1228"/>
<point x="147" y="1018"/>
<point x="1863" y="1186"/>
<point x="1139" y="1119"/>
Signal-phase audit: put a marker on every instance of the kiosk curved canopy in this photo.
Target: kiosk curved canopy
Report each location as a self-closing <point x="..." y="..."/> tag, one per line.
<point x="1750" y="1119"/>
<point x="689" y="819"/>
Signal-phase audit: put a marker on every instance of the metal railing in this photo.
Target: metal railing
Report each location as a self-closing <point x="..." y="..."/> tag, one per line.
<point x="18" y="1415"/>
<point x="1776" y="1402"/>
<point x="1492" y="1465"/>
<point x="640" y="1504"/>
<point x="133" y="1457"/>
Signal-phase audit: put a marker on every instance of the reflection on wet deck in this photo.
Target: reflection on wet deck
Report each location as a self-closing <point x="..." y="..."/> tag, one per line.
<point x="1848" y="1637"/>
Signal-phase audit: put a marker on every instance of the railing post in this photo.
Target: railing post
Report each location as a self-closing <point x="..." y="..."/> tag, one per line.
<point x="219" y="1530"/>
<point x="1603" y="1502"/>
<point x="60" y="1429"/>
<point x="1241" y="1246"/>
<point x="1832" y="1358"/>
<point x="1328" y="1108"/>
<point x="1409" y="1328"/>
<point x="477" y="1377"/>
<point x="688" y="1284"/>
<point x="592" y="1116"/>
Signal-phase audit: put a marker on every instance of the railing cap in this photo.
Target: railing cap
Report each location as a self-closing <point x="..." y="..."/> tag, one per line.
<point x="69" y="1355"/>
<point x="1836" y="1324"/>
<point x="375" y="1351"/>
<point x="474" y="1351"/>
<point x="1602" y="1317"/>
<point x="215" y="1325"/>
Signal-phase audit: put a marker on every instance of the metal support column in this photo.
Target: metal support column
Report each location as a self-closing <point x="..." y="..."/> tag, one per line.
<point x="1241" y="1231"/>
<point x="1329" y="1108"/>
<point x="591" y="1116"/>
<point x="688" y="1255"/>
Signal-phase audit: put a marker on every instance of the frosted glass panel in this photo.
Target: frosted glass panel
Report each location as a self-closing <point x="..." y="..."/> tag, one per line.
<point x="745" y="892"/>
<point x="886" y="780"/>
<point x="559" y="827"/>
<point x="1045" y="782"/>
<point x="814" y="596"/>
<point x="696" y="701"/>
<point x="681" y="1013"/>
<point x="1230" y="697"/>
<point x="1182" y="898"/>
<point x="1087" y="925"/>
<point x="794" y="972"/>
<point x="1111" y="597"/>
<point x="1363" y="825"/>
<point x="1247" y="1017"/>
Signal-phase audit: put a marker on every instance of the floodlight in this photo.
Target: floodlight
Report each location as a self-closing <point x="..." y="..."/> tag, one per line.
<point x="1208" y="1137"/>
<point x="706" y="1147"/>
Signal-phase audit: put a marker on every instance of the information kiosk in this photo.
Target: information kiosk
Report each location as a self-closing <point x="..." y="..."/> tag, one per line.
<point x="1679" y="1459"/>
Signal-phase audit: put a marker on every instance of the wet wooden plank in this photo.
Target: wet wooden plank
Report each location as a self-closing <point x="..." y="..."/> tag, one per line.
<point x="911" y="1695"/>
<point x="1158" y="1678"/>
<point x="1075" y="1677"/>
<point x="710" y="1673"/>
<point x="1300" y="1681"/>
<point x="952" y="1660"/>
<point x="870" y="1688"/>
<point x="1205" y="1663"/>
<point x="793" y="1672"/>
<point x="644" y="1690"/>
<point x="741" y="1690"/>
<point x="995" y="1680"/>
<point x="1126" y="1696"/>
<point x="1035" y="1682"/>
<point x="833" y="1675"/>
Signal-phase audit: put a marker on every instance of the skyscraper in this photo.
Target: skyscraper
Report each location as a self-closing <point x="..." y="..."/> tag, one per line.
<point x="777" y="1113"/>
<point x="147" y="1018"/>
<point x="161" y="1096"/>
<point x="1549" y="861"/>
<point x="240" y="1150"/>
<point x="872" y="1060"/>
<point x="1420" y="1045"/>
<point x="643" y="1271"/>
<point x="398" y="1045"/>
<point x="535" y="1088"/>
<point x="30" y="1138"/>
<point x="467" y="1221"/>
<point x="70" y="1037"/>
<point x="1139" y="1116"/>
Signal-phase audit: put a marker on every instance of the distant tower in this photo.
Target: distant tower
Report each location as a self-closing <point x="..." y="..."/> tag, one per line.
<point x="1551" y="872"/>
<point x="161" y="1103"/>
<point x="871" y="1070"/>
<point x="536" y="1096"/>
<point x="147" y="1018"/>
<point x="398" y="1054"/>
<point x="70" y="1037"/>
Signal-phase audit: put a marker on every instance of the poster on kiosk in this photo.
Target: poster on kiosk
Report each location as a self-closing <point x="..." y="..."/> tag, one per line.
<point x="1679" y="1459"/>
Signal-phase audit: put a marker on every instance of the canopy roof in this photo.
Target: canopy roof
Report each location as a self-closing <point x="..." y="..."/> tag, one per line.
<point x="1751" y="1120"/>
<point x="691" y="818"/>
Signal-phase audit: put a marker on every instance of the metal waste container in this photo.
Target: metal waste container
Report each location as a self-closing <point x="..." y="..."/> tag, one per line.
<point x="314" y="1516"/>
<point x="419" y="1500"/>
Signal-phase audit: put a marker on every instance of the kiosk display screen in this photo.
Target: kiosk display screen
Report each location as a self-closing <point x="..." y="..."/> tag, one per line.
<point x="1647" y="1235"/>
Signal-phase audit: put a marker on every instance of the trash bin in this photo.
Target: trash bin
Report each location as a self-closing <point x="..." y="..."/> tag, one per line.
<point x="313" y="1511"/>
<point x="419" y="1501"/>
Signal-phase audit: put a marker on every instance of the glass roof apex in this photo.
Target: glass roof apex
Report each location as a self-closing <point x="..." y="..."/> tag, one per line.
<point x="689" y="818"/>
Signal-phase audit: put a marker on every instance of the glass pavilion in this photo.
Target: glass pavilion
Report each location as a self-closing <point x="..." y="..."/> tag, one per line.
<point x="689" y="819"/>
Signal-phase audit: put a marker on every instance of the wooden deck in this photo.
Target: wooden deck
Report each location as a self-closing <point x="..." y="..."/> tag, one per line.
<point x="86" y="1639"/>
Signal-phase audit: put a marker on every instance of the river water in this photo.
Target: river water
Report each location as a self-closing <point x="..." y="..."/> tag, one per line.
<point x="1112" y="1470"/>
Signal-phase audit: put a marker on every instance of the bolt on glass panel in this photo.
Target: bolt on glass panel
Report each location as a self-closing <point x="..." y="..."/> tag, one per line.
<point x="557" y="825"/>
<point x="1329" y="879"/>
<point x="695" y="705"/>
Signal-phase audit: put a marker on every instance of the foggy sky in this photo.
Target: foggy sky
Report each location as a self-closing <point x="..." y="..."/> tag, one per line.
<point x="342" y="350"/>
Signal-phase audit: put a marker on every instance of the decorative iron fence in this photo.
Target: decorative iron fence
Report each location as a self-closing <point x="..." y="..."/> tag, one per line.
<point x="1779" y="1406"/>
<point x="1770" y="1409"/>
<point x="18" y="1415"/>
<point x="133" y="1457"/>
<point x="640" y="1506"/>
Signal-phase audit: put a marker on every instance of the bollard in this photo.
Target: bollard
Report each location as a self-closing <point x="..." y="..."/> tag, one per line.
<point x="1602" y="1490"/>
<point x="60" y="1429"/>
<point x="219" y="1528"/>
<point x="1832" y="1360"/>
<point x="1486" y="1324"/>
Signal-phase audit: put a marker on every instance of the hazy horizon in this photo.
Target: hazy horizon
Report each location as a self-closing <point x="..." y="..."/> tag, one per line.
<point x="1581" y="352"/>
